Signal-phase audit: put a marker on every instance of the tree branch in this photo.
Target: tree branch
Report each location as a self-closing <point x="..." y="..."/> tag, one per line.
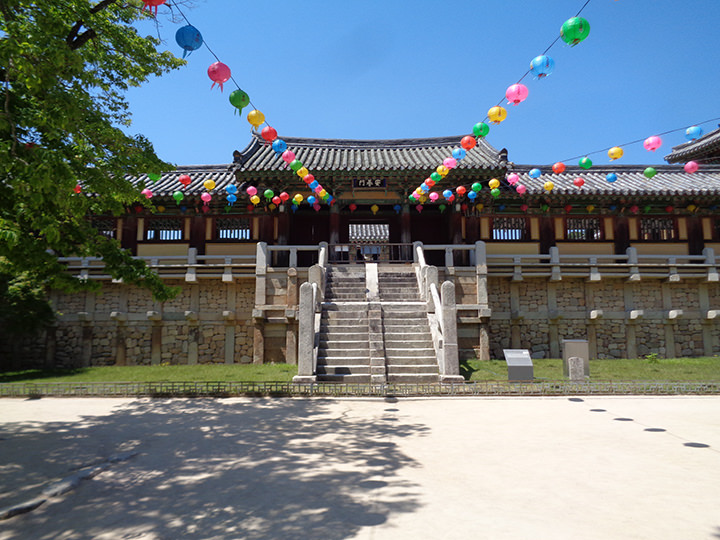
<point x="75" y="40"/>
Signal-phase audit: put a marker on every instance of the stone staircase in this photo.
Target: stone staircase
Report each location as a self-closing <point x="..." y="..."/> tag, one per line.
<point x="344" y="348"/>
<point x="388" y="338"/>
<point x="409" y="353"/>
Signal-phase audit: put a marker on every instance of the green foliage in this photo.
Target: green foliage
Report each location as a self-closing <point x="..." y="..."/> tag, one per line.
<point x="23" y="306"/>
<point x="652" y="358"/>
<point x="64" y="68"/>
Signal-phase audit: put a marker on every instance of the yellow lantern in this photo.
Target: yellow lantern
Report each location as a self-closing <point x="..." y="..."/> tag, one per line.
<point x="322" y="193"/>
<point x="494" y="183"/>
<point x="209" y="185"/>
<point x="298" y="198"/>
<point x="255" y="199"/>
<point x="548" y="186"/>
<point x="255" y="118"/>
<point x="374" y="208"/>
<point x="615" y="153"/>
<point x="272" y="206"/>
<point x="590" y="208"/>
<point x="302" y="172"/>
<point x="423" y="199"/>
<point x="161" y="209"/>
<point x="442" y="170"/>
<point x="497" y="114"/>
<point x="691" y="208"/>
<point x="479" y="207"/>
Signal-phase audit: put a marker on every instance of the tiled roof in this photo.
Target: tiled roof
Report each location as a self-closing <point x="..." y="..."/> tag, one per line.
<point x="706" y="148"/>
<point x="370" y="155"/>
<point x="670" y="180"/>
<point x="169" y="182"/>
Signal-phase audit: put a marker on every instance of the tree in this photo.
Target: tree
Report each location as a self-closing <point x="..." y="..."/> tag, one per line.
<point x="65" y="67"/>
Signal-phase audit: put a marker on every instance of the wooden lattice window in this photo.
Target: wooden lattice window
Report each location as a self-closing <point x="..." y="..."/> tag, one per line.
<point x="164" y="229"/>
<point x="232" y="228"/>
<point x="106" y="226"/>
<point x="657" y="229"/>
<point x="510" y="229"/>
<point x="583" y="229"/>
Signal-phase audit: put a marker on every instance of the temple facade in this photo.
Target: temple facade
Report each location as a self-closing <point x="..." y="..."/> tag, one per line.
<point x="621" y="260"/>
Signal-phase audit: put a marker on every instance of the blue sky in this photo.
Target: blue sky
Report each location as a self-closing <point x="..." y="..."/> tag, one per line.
<point x="392" y="69"/>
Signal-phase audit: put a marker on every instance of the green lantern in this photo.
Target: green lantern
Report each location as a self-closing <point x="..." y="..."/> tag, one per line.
<point x="296" y="165"/>
<point x="442" y="208"/>
<point x="481" y="129"/>
<point x="495" y="192"/>
<point x="574" y="30"/>
<point x="436" y="177"/>
<point x="239" y="99"/>
<point x="477" y="186"/>
<point x="154" y="176"/>
<point x="649" y="172"/>
<point x="269" y="194"/>
<point x="585" y="163"/>
<point x="178" y="196"/>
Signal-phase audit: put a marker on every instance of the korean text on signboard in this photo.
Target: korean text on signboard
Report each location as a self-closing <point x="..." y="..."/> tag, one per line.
<point x="369" y="183"/>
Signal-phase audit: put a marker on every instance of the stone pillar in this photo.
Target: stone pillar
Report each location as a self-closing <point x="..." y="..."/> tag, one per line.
<point x="707" y="317"/>
<point x="258" y="336"/>
<point x="450" y="370"/>
<point x="229" y="352"/>
<point x="155" y="337"/>
<point x="291" y="315"/>
<point x="376" y="342"/>
<point x="306" y="336"/>
<point x="553" y="318"/>
<point x="515" y="316"/>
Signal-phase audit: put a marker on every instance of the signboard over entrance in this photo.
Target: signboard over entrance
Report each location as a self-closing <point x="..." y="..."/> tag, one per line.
<point x="369" y="183"/>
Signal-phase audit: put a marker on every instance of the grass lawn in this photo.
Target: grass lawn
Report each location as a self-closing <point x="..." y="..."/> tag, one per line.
<point x="200" y="372"/>
<point x="640" y="369"/>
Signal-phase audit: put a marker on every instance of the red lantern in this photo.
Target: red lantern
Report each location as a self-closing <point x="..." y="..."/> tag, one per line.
<point x="559" y="167"/>
<point x="579" y="182"/>
<point x="185" y="180"/>
<point x="269" y="134"/>
<point x="568" y="208"/>
<point x="353" y="207"/>
<point x="468" y="142"/>
<point x="634" y="209"/>
<point x="276" y="200"/>
<point x="461" y="190"/>
<point x="150" y="4"/>
<point x="284" y="196"/>
<point x="78" y="188"/>
<point x="524" y="207"/>
<point x="308" y="178"/>
<point x="669" y="209"/>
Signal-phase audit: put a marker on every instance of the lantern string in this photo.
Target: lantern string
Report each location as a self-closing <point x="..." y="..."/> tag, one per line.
<point x="639" y="140"/>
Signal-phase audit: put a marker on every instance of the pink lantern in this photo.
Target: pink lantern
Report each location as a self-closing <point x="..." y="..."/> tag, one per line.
<point x="148" y="194"/>
<point x="516" y="93"/>
<point x="252" y="190"/>
<point x="150" y="4"/>
<point x="218" y="73"/>
<point x="691" y="167"/>
<point x="579" y="182"/>
<point x="206" y="197"/>
<point x="512" y="179"/>
<point x="318" y="189"/>
<point x="634" y="209"/>
<point x="450" y="163"/>
<point x="652" y="143"/>
<point x="316" y="207"/>
<point x="521" y="189"/>
<point x="288" y="156"/>
<point x="524" y="207"/>
<point x="419" y="207"/>
<point x="434" y="196"/>
<point x="269" y="134"/>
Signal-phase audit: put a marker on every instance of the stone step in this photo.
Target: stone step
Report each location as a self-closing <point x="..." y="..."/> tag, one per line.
<point x="344" y="306"/>
<point x="406" y="328"/>
<point x="339" y="361"/>
<point x="342" y="370"/>
<point x="336" y="352"/>
<point x="352" y="379"/>
<point x="410" y="353"/>
<point x="402" y="369"/>
<point x="346" y="297"/>
<point x="344" y="325"/>
<point x="404" y="315"/>
<point x="392" y="343"/>
<point x="413" y="378"/>
<point x="351" y="317"/>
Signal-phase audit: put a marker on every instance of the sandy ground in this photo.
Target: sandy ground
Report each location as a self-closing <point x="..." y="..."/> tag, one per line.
<point x="535" y="468"/>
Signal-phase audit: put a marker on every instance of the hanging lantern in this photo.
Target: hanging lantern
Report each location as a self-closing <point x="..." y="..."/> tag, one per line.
<point x="352" y="207"/>
<point x="548" y="186"/>
<point x="231" y="189"/>
<point x="148" y="194"/>
<point x="495" y="192"/>
<point x="542" y="66"/>
<point x="558" y="167"/>
<point x="255" y="200"/>
<point x="298" y="198"/>
<point x="652" y="143"/>
<point x="568" y="208"/>
<point x="231" y="199"/>
<point x="450" y="163"/>
<point x="535" y="173"/>
<point x="693" y="132"/>
<point x="574" y="30"/>
<point x="615" y="153"/>
<point x="189" y="38"/>
<point x="178" y="196"/>
<point x="239" y="99"/>
<point x="219" y="73"/>
<point x="255" y="118"/>
<point x="206" y="198"/>
<point x="649" y="172"/>
<point x="585" y="163"/>
<point x="468" y="142"/>
<point x="512" y="179"/>
<point x="494" y="183"/>
<point x="154" y="176"/>
<point x="276" y="200"/>
<point x="520" y="189"/>
<point x="302" y="172"/>
<point x="150" y="4"/>
<point x="185" y="180"/>
<point x="419" y="208"/>
<point x="288" y="156"/>
<point x="251" y="190"/>
<point x="461" y="190"/>
<point x="78" y="188"/>
<point x="691" y="167"/>
<point x="268" y="134"/>
<point x="590" y="208"/>
<point x="374" y="209"/>
<point x="524" y="207"/>
<point x="442" y="170"/>
<point x="284" y="197"/>
<point x="481" y="129"/>
<point x="209" y="185"/>
<point x="434" y="196"/>
<point x="516" y="93"/>
<point x="269" y="194"/>
<point x="460" y="153"/>
<point x="611" y="177"/>
<point x="497" y="114"/>
<point x="579" y="182"/>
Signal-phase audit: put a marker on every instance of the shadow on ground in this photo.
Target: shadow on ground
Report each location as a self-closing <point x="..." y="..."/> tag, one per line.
<point x="213" y="469"/>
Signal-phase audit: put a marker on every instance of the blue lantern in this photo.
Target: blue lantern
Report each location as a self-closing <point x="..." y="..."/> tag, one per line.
<point x="447" y="193"/>
<point x="459" y="153"/>
<point x="424" y="187"/>
<point x="542" y="66"/>
<point x="397" y="208"/>
<point x="611" y="177"/>
<point x="311" y="200"/>
<point x="693" y="132"/>
<point x="535" y="173"/>
<point x="189" y="38"/>
<point x="231" y="189"/>
<point x="231" y="199"/>
<point x="472" y="195"/>
<point x="313" y="184"/>
<point x="279" y="146"/>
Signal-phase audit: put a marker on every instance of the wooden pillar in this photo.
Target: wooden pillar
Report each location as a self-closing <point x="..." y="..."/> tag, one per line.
<point x="334" y="237"/>
<point x="129" y="233"/>
<point x="197" y="233"/>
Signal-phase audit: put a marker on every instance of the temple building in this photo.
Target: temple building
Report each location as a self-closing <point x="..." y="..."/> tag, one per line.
<point x="375" y="287"/>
